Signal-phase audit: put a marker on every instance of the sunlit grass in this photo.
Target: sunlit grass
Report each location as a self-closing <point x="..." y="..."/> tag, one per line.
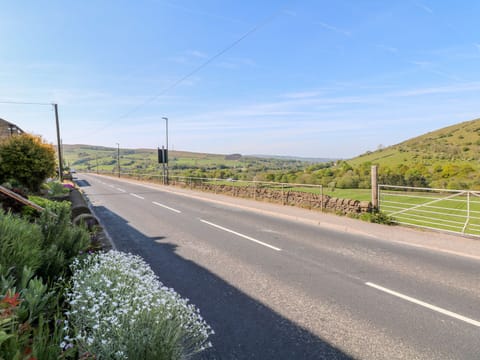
<point x="443" y="211"/>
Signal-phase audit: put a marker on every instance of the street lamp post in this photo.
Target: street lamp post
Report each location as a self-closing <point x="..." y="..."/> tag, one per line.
<point x="118" y="158"/>
<point x="165" y="180"/>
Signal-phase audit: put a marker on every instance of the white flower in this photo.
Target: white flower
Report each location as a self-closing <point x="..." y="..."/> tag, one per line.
<point x="111" y="291"/>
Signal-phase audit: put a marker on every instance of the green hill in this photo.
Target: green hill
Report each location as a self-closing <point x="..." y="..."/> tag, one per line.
<point x="445" y="158"/>
<point x="181" y="163"/>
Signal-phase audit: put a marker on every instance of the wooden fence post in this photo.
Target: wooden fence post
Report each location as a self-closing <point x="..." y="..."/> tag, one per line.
<point x="375" y="187"/>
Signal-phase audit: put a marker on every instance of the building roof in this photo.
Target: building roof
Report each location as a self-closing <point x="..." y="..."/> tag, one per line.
<point x="8" y="129"/>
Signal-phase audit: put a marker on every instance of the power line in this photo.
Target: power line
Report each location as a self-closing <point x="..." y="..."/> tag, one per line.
<point x="201" y="66"/>
<point x="24" y="103"/>
<point x="194" y="71"/>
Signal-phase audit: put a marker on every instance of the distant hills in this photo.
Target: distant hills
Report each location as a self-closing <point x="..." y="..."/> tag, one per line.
<point x="181" y="163"/>
<point x="295" y="158"/>
<point x="445" y="158"/>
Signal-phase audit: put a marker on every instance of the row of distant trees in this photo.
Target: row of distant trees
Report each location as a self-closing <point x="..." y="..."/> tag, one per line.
<point x="343" y="175"/>
<point x="433" y="173"/>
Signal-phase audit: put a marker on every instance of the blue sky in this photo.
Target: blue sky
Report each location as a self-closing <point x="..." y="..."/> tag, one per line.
<point x="314" y="78"/>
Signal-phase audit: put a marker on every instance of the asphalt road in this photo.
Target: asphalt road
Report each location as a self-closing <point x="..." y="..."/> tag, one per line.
<point x="274" y="288"/>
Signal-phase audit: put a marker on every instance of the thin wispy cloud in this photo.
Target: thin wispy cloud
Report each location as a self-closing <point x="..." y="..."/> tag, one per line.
<point x="189" y="57"/>
<point x="203" y="13"/>
<point x="432" y="68"/>
<point x="422" y="64"/>
<point x="448" y="89"/>
<point x="333" y="28"/>
<point x="424" y="7"/>
<point x="390" y="49"/>
<point x="302" y="95"/>
<point x="296" y="75"/>
<point x="289" y="13"/>
<point x="235" y="63"/>
<point x="197" y="54"/>
<point x="179" y="59"/>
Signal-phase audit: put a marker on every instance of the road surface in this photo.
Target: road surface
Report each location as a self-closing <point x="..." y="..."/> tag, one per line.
<point x="277" y="288"/>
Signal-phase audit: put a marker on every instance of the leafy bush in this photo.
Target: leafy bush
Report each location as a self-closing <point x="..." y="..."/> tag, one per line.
<point x="27" y="159"/>
<point x="56" y="188"/>
<point x="47" y="248"/>
<point x="33" y="256"/>
<point x="377" y="217"/>
<point x="24" y="339"/>
<point x="120" y="310"/>
<point x="30" y="213"/>
<point x="61" y="241"/>
<point x="20" y="245"/>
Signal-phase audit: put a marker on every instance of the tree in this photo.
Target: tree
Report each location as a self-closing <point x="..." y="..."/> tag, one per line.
<point x="27" y="159"/>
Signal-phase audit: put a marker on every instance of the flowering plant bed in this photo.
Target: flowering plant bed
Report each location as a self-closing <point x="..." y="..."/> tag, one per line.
<point x="120" y="310"/>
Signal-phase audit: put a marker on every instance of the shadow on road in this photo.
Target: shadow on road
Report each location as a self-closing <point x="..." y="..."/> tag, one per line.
<point x="244" y="328"/>
<point x="82" y="183"/>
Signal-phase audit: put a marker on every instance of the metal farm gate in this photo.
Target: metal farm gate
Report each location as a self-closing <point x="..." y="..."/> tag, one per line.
<point x="455" y="211"/>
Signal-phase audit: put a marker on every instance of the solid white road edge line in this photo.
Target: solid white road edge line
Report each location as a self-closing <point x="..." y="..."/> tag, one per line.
<point x="137" y="196"/>
<point x="166" y="207"/>
<point x="241" y="235"/>
<point x="424" y="304"/>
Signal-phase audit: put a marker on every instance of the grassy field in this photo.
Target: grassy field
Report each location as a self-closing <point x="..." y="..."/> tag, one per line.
<point x="87" y="157"/>
<point x="353" y="194"/>
<point x="455" y="212"/>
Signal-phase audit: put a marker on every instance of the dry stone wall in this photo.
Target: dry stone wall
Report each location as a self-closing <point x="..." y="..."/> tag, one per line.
<point x="285" y="197"/>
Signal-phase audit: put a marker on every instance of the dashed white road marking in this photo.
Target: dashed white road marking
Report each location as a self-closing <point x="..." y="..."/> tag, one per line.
<point x="424" y="304"/>
<point x="166" y="207"/>
<point x="121" y="190"/>
<point x="241" y="235"/>
<point x="137" y="196"/>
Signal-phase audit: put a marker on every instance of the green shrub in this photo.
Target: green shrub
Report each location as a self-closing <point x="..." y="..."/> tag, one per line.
<point x="47" y="248"/>
<point x="56" y="188"/>
<point x="20" y="245"/>
<point x="29" y="212"/>
<point x="377" y="217"/>
<point x="27" y="159"/>
<point x="24" y="339"/>
<point x="62" y="242"/>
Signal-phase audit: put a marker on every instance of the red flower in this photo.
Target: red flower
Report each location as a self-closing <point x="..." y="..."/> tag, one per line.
<point x="13" y="301"/>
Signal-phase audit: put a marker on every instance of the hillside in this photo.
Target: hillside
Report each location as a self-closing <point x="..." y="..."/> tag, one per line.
<point x="445" y="158"/>
<point x="181" y="163"/>
<point x="448" y="157"/>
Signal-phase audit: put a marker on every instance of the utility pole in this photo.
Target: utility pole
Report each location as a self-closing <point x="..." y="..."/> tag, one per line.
<point x="96" y="160"/>
<point x="59" y="145"/>
<point x="118" y="158"/>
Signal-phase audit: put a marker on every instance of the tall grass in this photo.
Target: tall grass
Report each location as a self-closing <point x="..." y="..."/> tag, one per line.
<point x="61" y="242"/>
<point x="20" y="245"/>
<point x="46" y="247"/>
<point x="33" y="257"/>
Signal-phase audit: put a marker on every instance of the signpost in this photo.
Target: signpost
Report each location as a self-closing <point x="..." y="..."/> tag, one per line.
<point x="163" y="159"/>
